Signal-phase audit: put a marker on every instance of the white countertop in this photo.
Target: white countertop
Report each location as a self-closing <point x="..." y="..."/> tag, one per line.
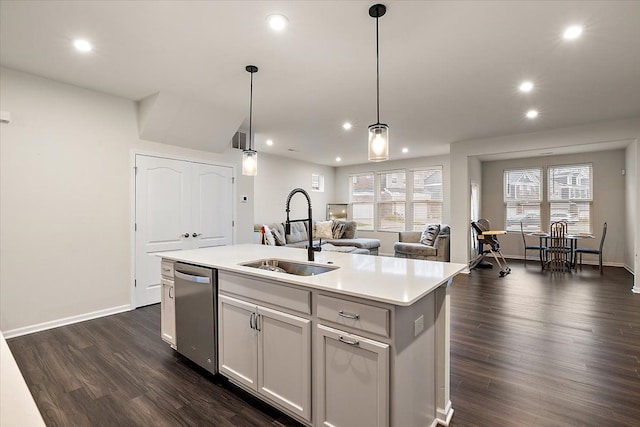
<point x="18" y="407"/>
<point x="397" y="281"/>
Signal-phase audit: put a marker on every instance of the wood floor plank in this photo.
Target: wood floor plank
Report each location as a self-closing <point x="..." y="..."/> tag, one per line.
<point x="528" y="349"/>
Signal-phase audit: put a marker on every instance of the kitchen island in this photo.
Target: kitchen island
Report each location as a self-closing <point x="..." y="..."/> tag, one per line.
<point x="365" y="343"/>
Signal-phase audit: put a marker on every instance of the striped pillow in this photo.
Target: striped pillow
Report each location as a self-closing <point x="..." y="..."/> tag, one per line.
<point x="337" y="229"/>
<point x="430" y="234"/>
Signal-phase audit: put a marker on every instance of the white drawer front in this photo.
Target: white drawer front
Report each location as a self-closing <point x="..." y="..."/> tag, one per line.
<point x="263" y="291"/>
<point x="355" y="315"/>
<point x="166" y="269"/>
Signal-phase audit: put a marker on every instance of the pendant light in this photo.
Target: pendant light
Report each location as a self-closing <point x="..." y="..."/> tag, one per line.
<point x="250" y="156"/>
<point x="378" y="132"/>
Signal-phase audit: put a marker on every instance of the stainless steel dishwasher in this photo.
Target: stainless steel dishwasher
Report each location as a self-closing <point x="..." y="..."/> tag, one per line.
<point x="196" y="320"/>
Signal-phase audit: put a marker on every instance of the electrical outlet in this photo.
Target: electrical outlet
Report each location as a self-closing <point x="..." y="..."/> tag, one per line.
<point x="418" y="325"/>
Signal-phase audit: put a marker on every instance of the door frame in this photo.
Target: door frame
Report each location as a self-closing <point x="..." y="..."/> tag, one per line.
<point x="132" y="202"/>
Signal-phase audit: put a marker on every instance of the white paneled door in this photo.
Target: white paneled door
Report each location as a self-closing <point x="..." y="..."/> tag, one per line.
<point x="178" y="205"/>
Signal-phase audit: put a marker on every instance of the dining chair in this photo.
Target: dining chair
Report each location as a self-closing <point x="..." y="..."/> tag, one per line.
<point x="559" y="252"/>
<point x="580" y="251"/>
<point x="538" y="248"/>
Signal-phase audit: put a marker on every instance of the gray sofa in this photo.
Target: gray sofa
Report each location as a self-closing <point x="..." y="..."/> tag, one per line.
<point x="409" y="246"/>
<point x="300" y="239"/>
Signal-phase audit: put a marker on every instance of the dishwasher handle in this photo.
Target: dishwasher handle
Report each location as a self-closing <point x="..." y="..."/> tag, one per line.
<point x="192" y="278"/>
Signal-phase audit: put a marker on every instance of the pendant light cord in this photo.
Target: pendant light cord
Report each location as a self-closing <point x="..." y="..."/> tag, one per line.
<point x="377" y="73"/>
<point x="250" y="112"/>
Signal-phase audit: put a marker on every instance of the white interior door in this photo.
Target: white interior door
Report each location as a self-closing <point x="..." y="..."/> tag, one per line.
<point x="162" y="219"/>
<point x="178" y="205"/>
<point x="212" y="205"/>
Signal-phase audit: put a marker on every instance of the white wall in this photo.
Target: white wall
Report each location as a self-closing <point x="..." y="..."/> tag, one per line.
<point x="65" y="200"/>
<point x="608" y="201"/>
<point x="277" y="176"/>
<point x="388" y="238"/>
<point x="597" y="133"/>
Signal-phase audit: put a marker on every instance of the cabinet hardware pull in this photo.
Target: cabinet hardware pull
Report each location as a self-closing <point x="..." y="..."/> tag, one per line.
<point x="196" y="234"/>
<point x="185" y="235"/>
<point x="258" y="317"/>
<point x="355" y="316"/>
<point x="170" y="289"/>
<point x="354" y="342"/>
<point x="251" y="320"/>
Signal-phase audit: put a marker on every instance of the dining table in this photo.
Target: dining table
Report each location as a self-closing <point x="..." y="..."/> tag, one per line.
<point x="573" y="243"/>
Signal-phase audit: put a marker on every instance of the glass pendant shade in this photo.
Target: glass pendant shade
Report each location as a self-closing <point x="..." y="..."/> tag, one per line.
<point x="250" y="156"/>
<point x="378" y="142"/>
<point x="250" y="163"/>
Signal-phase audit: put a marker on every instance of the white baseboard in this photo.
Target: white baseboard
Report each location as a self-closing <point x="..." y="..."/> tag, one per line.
<point x="65" y="321"/>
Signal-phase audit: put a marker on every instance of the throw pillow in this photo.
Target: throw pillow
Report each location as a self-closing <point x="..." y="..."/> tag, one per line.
<point x="323" y="230"/>
<point x="277" y="230"/>
<point x="298" y="232"/>
<point x="349" y="229"/>
<point x="337" y="229"/>
<point x="430" y="234"/>
<point x="268" y="236"/>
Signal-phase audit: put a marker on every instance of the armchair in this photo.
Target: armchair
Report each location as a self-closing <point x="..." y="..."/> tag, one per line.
<point x="409" y="246"/>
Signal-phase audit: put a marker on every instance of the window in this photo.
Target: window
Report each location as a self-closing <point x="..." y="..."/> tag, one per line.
<point x="427" y="197"/>
<point x="391" y="200"/>
<point x="522" y="192"/>
<point x="361" y="199"/>
<point x="397" y="200"/>
<point x="571" y="196"/>
<point x="317" y="182"/>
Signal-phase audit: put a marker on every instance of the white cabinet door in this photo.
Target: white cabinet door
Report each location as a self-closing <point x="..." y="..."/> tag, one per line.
<point x="237" y="341"/>
<point x="168" y="312"/>
<point x="352" y="382"/>
<point x="163" y="212"/>
<point x="212" y="205"/>
<point x="284" y="360"/>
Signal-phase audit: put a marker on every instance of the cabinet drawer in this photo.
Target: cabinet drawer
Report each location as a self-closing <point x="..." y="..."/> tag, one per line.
<point x="263" y="291"/>
<point x="353" y="314"/>
<point x="166" y="268"/>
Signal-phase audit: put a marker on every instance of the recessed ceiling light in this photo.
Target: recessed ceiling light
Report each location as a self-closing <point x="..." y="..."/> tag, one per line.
<point x="277" y="22"/>
<point x="526" y="86"/>
<point x="82" y="45"/>
<point x="338" y="159"/>
<point x="572" y="32"/>
<point x="405" y="150"/>
<point x="532" y="114"/>
<point x="347" y="126"/>
<point x="269" y="142"/>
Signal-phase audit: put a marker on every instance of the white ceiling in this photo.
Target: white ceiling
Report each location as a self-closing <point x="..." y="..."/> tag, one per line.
<point x="449" y="70"/>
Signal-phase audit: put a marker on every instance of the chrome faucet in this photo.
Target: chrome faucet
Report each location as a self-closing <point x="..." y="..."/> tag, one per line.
<point x="287" y="228"/>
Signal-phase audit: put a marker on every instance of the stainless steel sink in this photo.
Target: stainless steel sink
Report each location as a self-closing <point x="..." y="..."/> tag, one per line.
<point x="290" y="267"/>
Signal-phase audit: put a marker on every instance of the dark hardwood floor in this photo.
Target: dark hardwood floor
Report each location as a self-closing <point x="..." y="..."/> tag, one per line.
<point x="526" y="350"/>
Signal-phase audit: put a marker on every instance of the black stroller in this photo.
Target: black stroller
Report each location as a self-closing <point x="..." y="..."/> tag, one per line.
<point x="488" y="244"/>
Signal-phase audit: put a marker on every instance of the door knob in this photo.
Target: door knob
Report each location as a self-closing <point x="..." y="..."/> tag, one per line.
<point x="196" y="234"/>
<point x="185" y="235"/>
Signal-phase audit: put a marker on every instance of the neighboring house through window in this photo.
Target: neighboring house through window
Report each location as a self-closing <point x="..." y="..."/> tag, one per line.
<point x="569" y="197"/>
<point x="397" y="200"/>
<point x="427" y="197"/>
<point x="392" y="200"/>
<point x="522" y="192"/>
<point x="361" y="199"/>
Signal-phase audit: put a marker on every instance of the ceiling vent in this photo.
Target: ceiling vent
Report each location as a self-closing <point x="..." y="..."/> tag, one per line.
<point x="239" y="141"/>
